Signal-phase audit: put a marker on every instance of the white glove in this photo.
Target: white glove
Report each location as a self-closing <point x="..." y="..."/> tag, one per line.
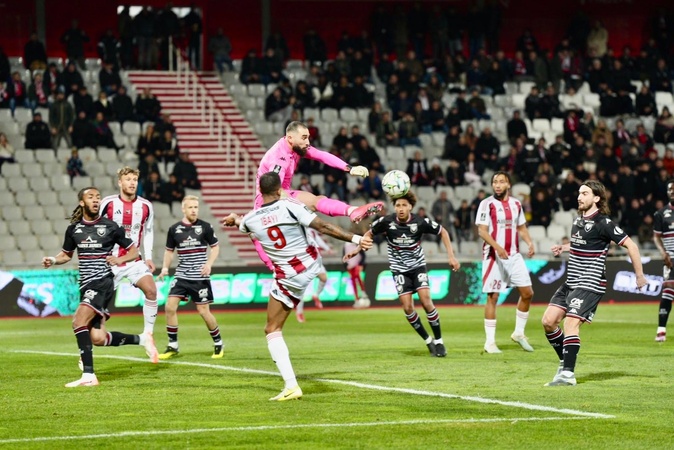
<point x="359" y="171"/>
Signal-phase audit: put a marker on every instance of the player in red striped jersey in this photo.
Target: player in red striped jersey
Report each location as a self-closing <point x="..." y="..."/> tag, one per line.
<point x="135" y="214"/>
<point x="280" y="227"/>
<point x="500" y="223"/>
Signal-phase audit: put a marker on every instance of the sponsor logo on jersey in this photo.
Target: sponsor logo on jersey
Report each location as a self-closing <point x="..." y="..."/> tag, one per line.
<point x="89" y="295"/>
<point x="203" y="293"/>
<point x="576" y="302"/>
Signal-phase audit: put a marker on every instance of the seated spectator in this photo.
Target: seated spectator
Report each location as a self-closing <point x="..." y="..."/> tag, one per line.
<point x="487" y="149"/>
<point x="314" y="133"/>
<point x="360" y="96"/>
<point x="533" y="104"/>
<point x="83" y="101"/>
<point x="154" y="189"/>
<point x="108" y="78"/>
<point x="463" y="222"/>
<point x="147" y="166"/>
<point x="368" y="156"/>
<point x="175" y="192"/>
<point x="38" y="92"/>
<point x="303" y="96"/>
<point x="435" y="175"/>
<point x="306" y="186"/>
<point x="251" y="68"/>
<point x="34" y="54"/>
<point x="53" y="77"/>
<point x="147" y="142"/>
<point x="169" y="149"/>
<point x="37" y="133"/>
<point x="5" y="96"/>
<point x="370" y="187"/>
<point x="478" y="108"/>
<point x="541" y="208"/>
<point x="6" y="150"/>
<point x="374" y="117"/>
<point x="220" y="46"/>
<point x="186" y="172"/>
<point x="83" y="131"/>
<point x="417" y="170"/>
<point x="75" y="167"/>
<point x="472" y="170"/>
<point x="660" y="80"/>
<point x="276" y="107"/>
<point x="443" y="211"/>
<point x="164" y="123"/>
<point x="386" y="132"/>
<point x="271" y="67"/>
<point x="645" y="103"/>
<point x="103" y="136"/>
<point x="147" y="106"/>
<point x="664" y="127"/>
<point x="71" y="79"/>
<point x="495" y="79"/>
<point x="601" y="130"/>
<point x="122" y="107"/>
<point x="434" y="118"/>
<point x="550" y="105"/>
<point x="408" y="131"/>
<point x="568" y="192"/>
<point x="335" y="180"/>
<point x="516" y="127"/>
<point x="103" y="105"/>
<point x="470" y="136"/>
<point x="454" y="175"/>
<point x="19" y="97"/>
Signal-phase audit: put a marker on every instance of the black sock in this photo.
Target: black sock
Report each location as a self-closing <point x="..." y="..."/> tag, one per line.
<point x="415" y="321"/>
<point x="556" y="340"/>
<point x="115" y="339"/>
<point x="434" y="321"/>
<point x="215" y="334"/>
<point x="84" y="343"/>
<point x="172" y="334"/>
<point x="571" y="349"/>
<point x="663" y="315"/>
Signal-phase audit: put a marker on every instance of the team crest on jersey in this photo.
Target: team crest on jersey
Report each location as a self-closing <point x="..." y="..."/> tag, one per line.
<point x="413" y="228"/>
<point x="100" y="231"/>
<point x="197" y="230"/>
<point x="588" y="226"/>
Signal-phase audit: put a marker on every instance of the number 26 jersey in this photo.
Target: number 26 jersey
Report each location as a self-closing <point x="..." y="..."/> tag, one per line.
<point x="280" y="228"/>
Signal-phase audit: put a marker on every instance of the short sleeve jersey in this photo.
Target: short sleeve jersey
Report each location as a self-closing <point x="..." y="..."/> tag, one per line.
<point x="663" y="226"/>
<point x="94" y="241"/>
<point x="280" y="228"/>
<point x="503" y="218"/>
<point x="404" y="240"/>
<point x="136" y="217"/>
<point x="191" y="241"/>
<point x="590" y="240"/>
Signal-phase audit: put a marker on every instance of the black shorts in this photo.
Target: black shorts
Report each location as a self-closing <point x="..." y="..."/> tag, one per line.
<point x="199" y="291"/>
<point x="412" y="281"/>
<point x="97" y="295"/>
<point x="578" y="303"/>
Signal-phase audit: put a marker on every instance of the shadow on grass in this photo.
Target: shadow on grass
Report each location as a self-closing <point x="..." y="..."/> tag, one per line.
<point x="603" y="376"/>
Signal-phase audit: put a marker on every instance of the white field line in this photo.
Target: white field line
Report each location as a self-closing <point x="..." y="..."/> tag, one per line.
<point x="124" y="434"/>
<point x="522" y="405"/>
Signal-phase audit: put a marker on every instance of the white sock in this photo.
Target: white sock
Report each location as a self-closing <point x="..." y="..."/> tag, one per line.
<point x="88" y="376"/>
<point x="141" y="339"/>
<point x="150" y="315"/>
<point x="429" y="340"/>
<point x="567" y="373"/>
<point x="281" y="356"/>
<point x="438" y="341"/>
<point x="490" y="330"/>
<point x="299" y="309"/>
<point x="319" y="289"/>
<point x="520" y="321"/>
<point x="173" y="345"/>
<point x="662" y="330"/>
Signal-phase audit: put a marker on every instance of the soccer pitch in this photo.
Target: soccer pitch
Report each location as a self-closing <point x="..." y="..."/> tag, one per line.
<point x="367" y="378"/>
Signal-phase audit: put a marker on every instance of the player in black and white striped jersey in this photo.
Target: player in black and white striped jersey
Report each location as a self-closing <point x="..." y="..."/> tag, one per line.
<point x="191" y="238"/>
<point x="577" y="299"/>
<point x="94" y="238"/>
<point x="403" y="232"/>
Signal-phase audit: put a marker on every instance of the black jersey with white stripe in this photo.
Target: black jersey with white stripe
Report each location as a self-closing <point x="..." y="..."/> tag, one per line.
<point x="663" y="226"/>
<point x="590" y="239"/>
<point x="94" y="242"/>
<point x="191" y="241"/>
<point x="404" y="240"/>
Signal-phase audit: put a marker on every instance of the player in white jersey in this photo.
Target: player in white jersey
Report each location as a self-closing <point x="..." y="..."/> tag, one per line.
<point x="136" y="216"/>
<point x="280" y="227"/>
<point x="324" y="248"/>
<point x="500" y="223"/>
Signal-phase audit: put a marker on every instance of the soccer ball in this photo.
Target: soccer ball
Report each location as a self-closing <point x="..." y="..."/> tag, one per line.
<point x="396" y="183"/>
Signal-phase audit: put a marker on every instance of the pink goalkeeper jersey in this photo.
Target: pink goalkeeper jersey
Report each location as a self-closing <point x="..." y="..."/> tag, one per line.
<point x="503" y="218"/>
<point x="283" y="160"/>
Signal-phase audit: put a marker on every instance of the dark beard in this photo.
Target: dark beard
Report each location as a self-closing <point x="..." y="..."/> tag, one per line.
<point x="500" y="196"/>
<point x="300" y="151"/>
<point x="88" y="213"/>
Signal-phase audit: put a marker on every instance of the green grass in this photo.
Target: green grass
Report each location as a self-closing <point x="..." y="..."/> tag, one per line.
<point x="361" y="373"/>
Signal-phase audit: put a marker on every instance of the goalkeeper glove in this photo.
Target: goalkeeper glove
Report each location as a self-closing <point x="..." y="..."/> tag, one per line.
<point x="359" y="171"/>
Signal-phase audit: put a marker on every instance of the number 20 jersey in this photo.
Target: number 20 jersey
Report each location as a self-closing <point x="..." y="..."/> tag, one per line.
<point x="280" y="228"/>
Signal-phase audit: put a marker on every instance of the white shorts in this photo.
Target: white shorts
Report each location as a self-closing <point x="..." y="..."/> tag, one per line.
<point x="290" y="291"/>
<point x="500" y="274"/>
<point x="132" y="271"/>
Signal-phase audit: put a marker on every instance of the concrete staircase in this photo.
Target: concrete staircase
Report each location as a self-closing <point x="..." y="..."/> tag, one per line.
<point x="222" y="190"/>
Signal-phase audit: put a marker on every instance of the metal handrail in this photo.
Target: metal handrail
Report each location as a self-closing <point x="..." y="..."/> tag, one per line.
<point x="244" y="167"/>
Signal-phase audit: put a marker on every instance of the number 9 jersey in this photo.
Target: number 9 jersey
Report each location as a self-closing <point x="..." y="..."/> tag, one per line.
<point x="280" y="228"/>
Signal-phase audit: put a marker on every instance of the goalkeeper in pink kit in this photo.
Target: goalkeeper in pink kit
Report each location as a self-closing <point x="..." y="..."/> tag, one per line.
<point x="283" y="158"/>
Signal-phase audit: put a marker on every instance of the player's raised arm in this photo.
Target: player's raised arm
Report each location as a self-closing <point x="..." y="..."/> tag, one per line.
<point x="333" y="161"/>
